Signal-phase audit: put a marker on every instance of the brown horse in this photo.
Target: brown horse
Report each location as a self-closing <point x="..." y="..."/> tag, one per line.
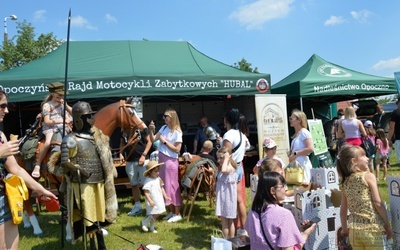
<point x="119" y="114"/>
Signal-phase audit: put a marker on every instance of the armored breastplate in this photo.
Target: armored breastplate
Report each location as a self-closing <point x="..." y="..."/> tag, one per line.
<point x="89" y="160"/>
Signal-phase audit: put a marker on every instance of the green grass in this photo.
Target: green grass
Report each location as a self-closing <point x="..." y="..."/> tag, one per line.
<point x="194" y="234"/>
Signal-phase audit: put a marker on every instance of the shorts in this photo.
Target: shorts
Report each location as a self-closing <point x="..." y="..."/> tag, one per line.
<point x="135" y="172"/>
<point x="382" y="156"/>
<point x="5" y="212"/>
<point x="239" y="171"/>
<point x="354" y="141"/>
<point x="366" y="240"/>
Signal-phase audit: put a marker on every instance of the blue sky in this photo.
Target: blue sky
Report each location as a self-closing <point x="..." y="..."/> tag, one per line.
<point x="277" y="36"/>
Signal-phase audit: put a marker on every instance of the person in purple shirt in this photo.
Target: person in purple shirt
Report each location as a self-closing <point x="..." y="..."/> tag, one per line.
<point x="276" y="233"/>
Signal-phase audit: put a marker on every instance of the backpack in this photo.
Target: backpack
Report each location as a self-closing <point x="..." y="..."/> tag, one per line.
<point x="368" y="146"/>
<point x="28" y="149"/>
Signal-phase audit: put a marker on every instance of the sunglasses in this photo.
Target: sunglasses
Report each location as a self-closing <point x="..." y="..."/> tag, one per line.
<point x="4" y="106"/>
<point x="165" y="116"/>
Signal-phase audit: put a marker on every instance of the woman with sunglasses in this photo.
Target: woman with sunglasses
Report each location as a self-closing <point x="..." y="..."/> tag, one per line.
<point x="9" y="236"/>
<point x="266" y="228"/>
<point x="302" y="144"/>
<point x="170" y="137"/>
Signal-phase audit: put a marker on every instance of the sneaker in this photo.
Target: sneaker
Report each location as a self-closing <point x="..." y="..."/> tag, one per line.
<point x="144" y="227"/>
<point x="135" y="211"/>
<point x="168" y="216"/>
<point x="242" y="232"/>
<point x="154" y="231"/>
<point x="175" y="218"/>
<point x="104" y="232"/>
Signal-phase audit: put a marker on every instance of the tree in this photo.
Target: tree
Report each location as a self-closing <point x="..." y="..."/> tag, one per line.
<point x="26" y="48"/>
<point x="245" y="66"/>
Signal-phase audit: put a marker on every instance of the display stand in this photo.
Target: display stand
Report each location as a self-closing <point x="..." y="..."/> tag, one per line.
<point x="199" y="177"/>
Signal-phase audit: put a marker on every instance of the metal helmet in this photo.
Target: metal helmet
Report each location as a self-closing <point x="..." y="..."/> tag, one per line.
<point x="210" y="133"/>
<point x="79" y="109"/>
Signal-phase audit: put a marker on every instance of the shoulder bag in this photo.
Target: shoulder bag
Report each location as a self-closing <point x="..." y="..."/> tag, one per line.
<point x="294" y="173"/>
<point x="16" y="192"/>
<point x="368" y="146"/>
<point x="263" y="232"/>
<point x="240" y="142"/>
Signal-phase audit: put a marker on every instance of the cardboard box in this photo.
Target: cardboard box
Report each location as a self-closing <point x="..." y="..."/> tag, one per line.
<point x="394" y="197"/>
<point x="317" y="203"/>
<point x="325" y="177"/>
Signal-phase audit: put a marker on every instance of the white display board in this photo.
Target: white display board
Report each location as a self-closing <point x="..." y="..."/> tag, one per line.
<point x="272" y="122"/>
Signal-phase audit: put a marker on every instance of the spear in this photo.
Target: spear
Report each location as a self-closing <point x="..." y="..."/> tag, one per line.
<point x="66" y="72"/>
<point x="64" y="114"/>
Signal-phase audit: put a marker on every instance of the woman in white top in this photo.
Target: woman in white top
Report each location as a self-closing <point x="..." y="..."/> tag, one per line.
<point x="238" y="143"/>
<point x="170" y="136"/>
<point x="302" y="144"/>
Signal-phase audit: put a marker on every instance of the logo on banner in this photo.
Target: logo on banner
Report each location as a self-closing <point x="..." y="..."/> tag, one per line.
<point x="262" y="85"/>
<point x="332" y="71"/>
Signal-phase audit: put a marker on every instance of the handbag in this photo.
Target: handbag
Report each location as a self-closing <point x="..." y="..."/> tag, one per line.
<point x="16" y="192"/>
<point x="368" y="146"/>
<point x="294" y="173"/>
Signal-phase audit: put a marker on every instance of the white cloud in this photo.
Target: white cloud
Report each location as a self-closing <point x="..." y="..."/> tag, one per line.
<point x="254" y="15"/>
<point x="110" y="18"/>
<point x="38" y="16"/>
<point x="81" y="22"/>
<point x="361" y="16"/>
<point x="334" y="20"/>
<point x="393" y="63"/>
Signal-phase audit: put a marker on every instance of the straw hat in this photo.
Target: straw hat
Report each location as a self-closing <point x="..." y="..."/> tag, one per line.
<point x="151" y="165"/>
<point x="56" y="87"/>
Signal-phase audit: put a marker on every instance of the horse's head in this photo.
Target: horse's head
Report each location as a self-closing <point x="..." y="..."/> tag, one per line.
<point x="129" y="119"/>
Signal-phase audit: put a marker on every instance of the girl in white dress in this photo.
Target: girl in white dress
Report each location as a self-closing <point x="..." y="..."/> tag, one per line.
<point x="155" y="194"/>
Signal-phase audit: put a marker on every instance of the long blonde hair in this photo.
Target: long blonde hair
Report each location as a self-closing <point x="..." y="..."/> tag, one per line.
<point x="344" y="163"/>
<point x="48" y="98"/>
<point x="302" y="117"/>
<point x="380" y="134"/>
<point x="175" y="124"/>
<point x="350" y="113"/>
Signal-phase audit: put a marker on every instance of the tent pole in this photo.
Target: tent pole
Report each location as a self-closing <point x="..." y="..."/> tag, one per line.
<point x="301" y="103"/>
<point x="20" y="119"/>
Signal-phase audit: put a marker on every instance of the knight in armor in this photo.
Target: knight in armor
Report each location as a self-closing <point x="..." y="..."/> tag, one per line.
<point x="206" y="131"/>
<point x="89" y="170"/>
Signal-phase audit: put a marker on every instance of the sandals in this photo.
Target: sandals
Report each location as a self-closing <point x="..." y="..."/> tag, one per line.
<point x="36" y="171"/>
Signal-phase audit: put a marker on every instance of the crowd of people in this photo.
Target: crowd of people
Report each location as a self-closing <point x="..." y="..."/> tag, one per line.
<point x="91" y="190"/>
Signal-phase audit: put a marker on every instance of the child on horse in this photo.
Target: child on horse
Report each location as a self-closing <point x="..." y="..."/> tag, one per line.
<point x="52" y="113"/>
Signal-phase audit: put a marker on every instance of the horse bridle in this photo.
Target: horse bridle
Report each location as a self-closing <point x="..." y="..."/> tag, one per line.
<point x="134" y="128"/>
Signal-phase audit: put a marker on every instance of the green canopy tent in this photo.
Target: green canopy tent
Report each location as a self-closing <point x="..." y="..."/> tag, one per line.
<point x="397" y="76"/>
<point x="99" y="69"/>
<point x="100" y="72"/>
<point x="319" y="83"/>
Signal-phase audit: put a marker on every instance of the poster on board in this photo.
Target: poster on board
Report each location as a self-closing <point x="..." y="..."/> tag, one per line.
<point x="272" y="122"/>
<point x="320" y="148"/>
